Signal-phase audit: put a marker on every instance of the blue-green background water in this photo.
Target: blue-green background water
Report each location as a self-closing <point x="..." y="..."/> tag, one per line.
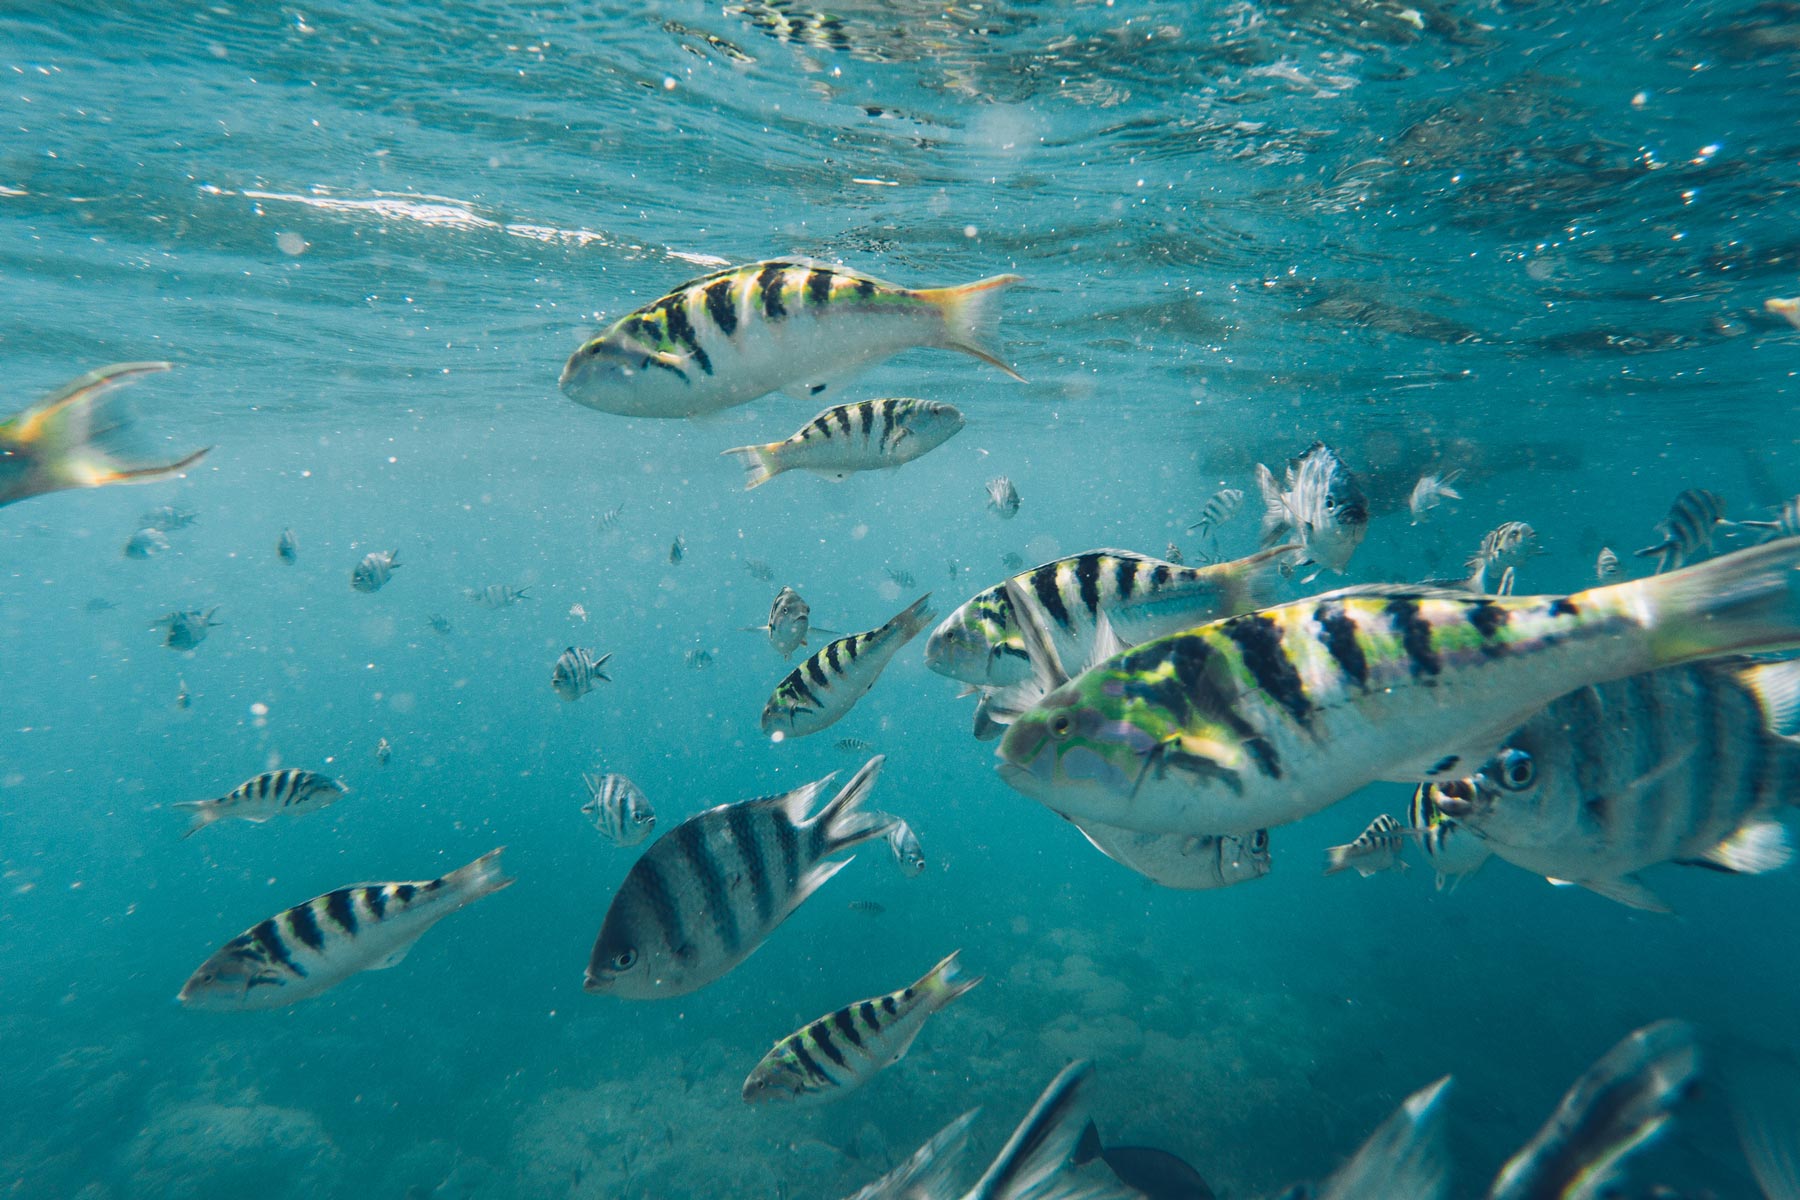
<point x="1530" y="240"/>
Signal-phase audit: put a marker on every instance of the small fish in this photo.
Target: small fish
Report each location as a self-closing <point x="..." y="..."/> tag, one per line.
<point x="852" y="745"/>
<point x="709" y="892"/>
<point x="1375" y="849"/>
<point x="497" y="595"/>
<point x="69" y="439"/>
<point x="1503" y="549"/>
<point x="1454" y="851"/>
<point x="384" y="751"/>
<point x="146" y="543"/>
<point x="841" y="1051"/>
<point x="315" y="946"/>
<point x="619" y="809"/>
<point x="1012" y="561"/>
<point x="167" y="518"/>
<point x="1219" y="510"/>
<point x="954" y="569"/>
<point x="182" y="699"/>
<point x="288" y="548"/>
<point x="1785" y="524"/>
<point x="677" y="550"/>
<point x="821" y="690"/>
<point x="609" y="520"/>
<point x="1003" y="498"/>
<point x="1688" y="529"/>
<point x="186" y="630"/>
<point x="577" y="672"/>
<point x="902" y="578"/>
<point x="1172" y="553"/>
<point x="100" y="604"/>
<point x="441" y="624"/>
<point x="1431" y="491"/>
<point x="578" y="612"/>
<point x="1184" y="862"/>
<point x="909" y="856"/>
<point x="1607" y="565"/>
<point x="1319" y="504"/>
<point x="759" y="570"/>
<point x="790" y="621"/>
<point x="698" y="659"/>
<point x="870" y="435"/>
<point x="375" y="569"/>
<point x="289" y="790"/>
<point x="869" y="908"/>
<point x="787" y="324"/>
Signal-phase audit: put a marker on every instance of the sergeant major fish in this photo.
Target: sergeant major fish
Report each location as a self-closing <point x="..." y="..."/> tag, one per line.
<point x="256" y="800"/>
<point x="841" y="1051"/>
<point x="619" y="809"/>
<point x="375" y="569"/>
<point x="786" y="324"/>
<point x="706" y="894"/>
<point x="69" y="439"/>
<point x="315" y="946"/>
<point x="1504" y="548"/>
<point x="1375" y="849"/>
<point x="1261" y="719"/>
<point x="497" y="595"/>
<point x="1688" y="529"/>
<point x="577" y="672"/>
<point x="185" y="630"/>
<point x="790" y="621"/>
<point x="1220" y="509"/>
<point x="870" y="435"/>
<point x="1003" y="498"/>
<point x="1319" y="504"/>
<point x="821" y="690"/>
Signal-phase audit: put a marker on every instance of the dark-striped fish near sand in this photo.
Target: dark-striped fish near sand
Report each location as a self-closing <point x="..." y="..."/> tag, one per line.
<point x="1376" y="849"/>
<point x="577" y="672"/>
<point x="1687" y="530"/>
<point x="186" y="629"/>
<point x="821" y="690"/>
<point x="843" y="1050"/>
<point x="289" y="790"/>
<point x="287" y="547"/>
<point x="70" y="439"/>
<point x="619" y="809"/>
<point x="706" y="894"/>
<point x="870" y="435"/>
<point x="375" y="569"/>
<point x="312" y="947"/>
<point x="786" y="324"/>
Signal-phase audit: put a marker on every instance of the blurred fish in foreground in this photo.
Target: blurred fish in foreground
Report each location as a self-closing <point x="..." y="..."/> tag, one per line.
<point x="1764" y="1087"/>
<point x="70" y="438"/>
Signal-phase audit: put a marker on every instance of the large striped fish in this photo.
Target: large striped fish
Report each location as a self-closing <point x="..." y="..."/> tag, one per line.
<point x="786" y="324"/>
<point x="1265" y="718"/>
<point x="1688" y="764"/>
<point x="825" y="687"/>
<point x="870" y="435"/>
<point x="297" y="954"/>
<point x="69" y="439"/>
<point x="707" y="893"/>
<point x="843" y="1050"/>
<point x="256" y="800"/>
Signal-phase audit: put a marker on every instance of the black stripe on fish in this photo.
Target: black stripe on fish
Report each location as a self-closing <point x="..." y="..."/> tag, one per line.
<point x="820" y="1033"/>
<point x="404" y="892"/>
<point x="818" y="285"/>
<point x="768" y="280"/>
<point x="1340" y="641"/>
<point x="376" y="899"/>
<point x="743" y="834"/>
<point x="1710" y="749"/>
<point x="1564" y="606"/>
<point x="1087" y="578"/>
<point x="865" y="288"/>
<point x="789" y="845"/>
<point x="887" y="425"/>
<point x="1125" y="577"/>
<point x="1258" y="639"/>
<point x="269" y="938"/>
<point x="1267" y="761"/>
<point x="1415" y="636"/>
<point x="305" y="926"/>
<point x="888" y="1006"/>
<point x="1489" y="619"/>
<point x="681" y="332"/>
<point x="869" y="1015"/>
<point x="795" y="686"/>
<point x="831" y="656"/>
<point x="1159" y="575"/>
<point x="655" y="892"/>
<point x="811" y="666"/>
<point x="1043" y="585"/>
<point x="808" y="1063"/>
<point x="720" y="307"/>
<point x="846" y="1026"/>
<point x="716" y="898"/>
<point x="340" y="906"/>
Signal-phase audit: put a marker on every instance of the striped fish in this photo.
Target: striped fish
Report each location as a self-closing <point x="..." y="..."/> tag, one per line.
<point x="577" y="672"/>
<point x="619" y="809"/>
<point x="1185" y="862"/>
<point x="1686" y="764"/>
<point x="186" y="629"/>
<point x="1319" y="504"/>
<point x="786" y="324"/>
<point x="870" y="435"/>
<point x="256" y="800"/>
<point x="1224" y="505"/>
<point x="1453" y="850"/>
<point x="1503" y="549"/>
<point x="497" y="595"/>
<point x="710" y="891"/>
<point x="146" y="543"/>
<point x="1172" y="553"/>
<point x="1003" y="497"/>
<point x="903" y="843"/>
<point x="312" y="947"/>
<point x="1141" y="597"/>
<point x="825" y="687"/>
<point x="1688" y="529"/>
<point x="1785" y="524"/>
<point x="841" y="1051"/>
<point x="68" y="439"/>
<point x="1607" y="565"/>
<point x="375" y="569"/>
<point x="288" y="548"/>
<point x="1375" y="849"/>
<point x="1261" y="719"/>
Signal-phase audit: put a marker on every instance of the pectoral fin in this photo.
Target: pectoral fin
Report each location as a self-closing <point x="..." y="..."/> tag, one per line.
<point x="1628" y="890"/>
<point x="393" y="958"/>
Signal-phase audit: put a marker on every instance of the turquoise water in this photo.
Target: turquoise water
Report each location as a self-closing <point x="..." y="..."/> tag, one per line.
<point x="1528" y="241"/>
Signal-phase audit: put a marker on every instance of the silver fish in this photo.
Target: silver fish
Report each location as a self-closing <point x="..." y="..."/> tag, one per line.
<point x="1453" y="850"/>
<point x="186" y="630"/>
<point x="619" y="809"/>
<point x="1003" y="498"/>
<point x="706" y="894"/>
<point x="900" y="578"/>
<point x="824" y="688"/>
<point x="440" y="624"/>
<point x="1319" y="504"/>
<point x="315" y="946"/>
<point x="497" y="595"/>
<point x="1503" y="548"/>
<point x="909" y="856"/>
<point x="790" y="621"/>
<point x="1375" y="849"/>
<point x="1172" y="553"/>
<point x="698" y="659"/>
<point x="1687" y="530"/>
<point x="578" y="612"/>
<point x="167" y="517"/>
<point x="287" y="549"/>
<point x="759" y="570"/>
<point x="146" y="543"/>
<point x="870" y="435"/>
<point x="677" y="550"/>
<point x="1785" y="524"/>
<point x="384" y="752"/>
<point x="1686" y="764"/>
<point x="1219" y="510"/>
<point x="577" y="672"/>
<point x="375" y="569"/>
<point x="1183" y="861"/>
<point x="1431" y="491"/>
<point x="1607" y="565"/>
<point x="288" y="790"/>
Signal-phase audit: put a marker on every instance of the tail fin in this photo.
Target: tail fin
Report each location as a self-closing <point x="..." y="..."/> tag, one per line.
<point x="1621" y="1102"/>
<point x="913" y="620"/>
<point x="1403" y="1159"/>
<point x="1337" y="858"/>
<point x="1252" y="583"/>
<point x="929" y="1172"/>
<point x="1744" y="602"/>
<point x="1034" y="1161"/>
<point x="483" y="877"/>
<point x="1765" y="1100"/>
<point x="971" y="314"/>
<point x="205" y="813"/>
<point x="843" y="823"/>
<point x="945" y="982"/>
<point x="1276" y="519"/>
<point x="67" y="432"/>
<point x="759" y="463"/>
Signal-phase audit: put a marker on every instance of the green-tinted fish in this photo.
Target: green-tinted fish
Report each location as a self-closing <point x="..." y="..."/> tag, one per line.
<point x="826" y="686"/>
<point x="841" y="1051"/>
<point x="1686" y="764"/>
<point x="272" y="792"/>
<point x="1375" y="849"/>
<point x="787" y="324"/>
<point x="870" y="435"/>
<point x="68" y="439"/>
<point x="1186" y="862"/>
<point x="1264" y="718"/>
<point x="1453" y="850"/>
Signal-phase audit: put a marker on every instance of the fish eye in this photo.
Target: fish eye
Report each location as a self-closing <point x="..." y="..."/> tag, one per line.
<point x="1061" y="725"/>
<point x="1260" y="841"/>
<point x="1517" y="770"/>
<point x="644" y="818"/>
<point x="624" y="960"/>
